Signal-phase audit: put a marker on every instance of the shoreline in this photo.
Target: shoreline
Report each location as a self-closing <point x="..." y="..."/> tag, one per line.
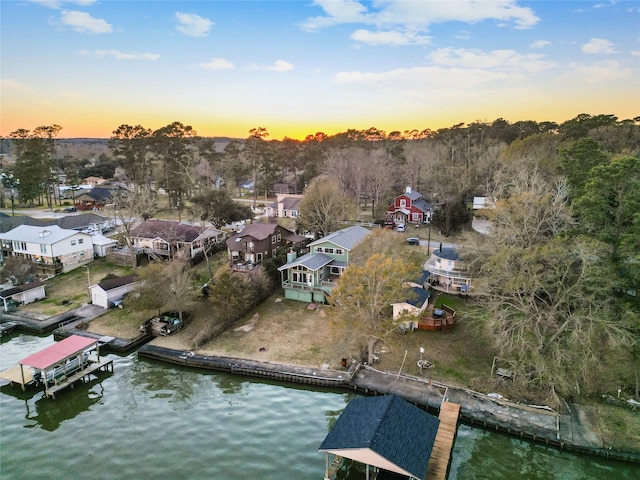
<point x="539" y="425"/>
<point x="521" y="421"/>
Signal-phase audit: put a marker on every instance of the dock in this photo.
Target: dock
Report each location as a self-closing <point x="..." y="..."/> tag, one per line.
<point x="441" y="454"/>
<point x="60" y="365"/>
<point x="8" y="327"/>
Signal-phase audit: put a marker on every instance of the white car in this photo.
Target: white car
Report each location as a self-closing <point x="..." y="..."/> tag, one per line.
<point x="401" y="227"/>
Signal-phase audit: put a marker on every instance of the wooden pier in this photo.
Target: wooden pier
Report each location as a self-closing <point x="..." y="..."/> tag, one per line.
<point x="441" y="454"/>
<point x="60" y="365"/>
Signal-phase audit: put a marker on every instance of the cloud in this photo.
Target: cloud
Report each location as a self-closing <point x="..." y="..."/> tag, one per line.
<point x="118" y="55"/>
<point x="217" y="64"/>
<point x="424" y="78"/>
<point x="635" y="53"/>
<point x="507" y="60"/>
<point x="58" y="3"/>
<point x="392" y="38"/>
<point x="84" y="23"/>
<point x="598" y="45"/>
<point x="13" y="85"/>
<point x="463" y="35"/>
<point x="193" y="25"/>
<point x="596" y="72"/>
<point x="401" y="17"/>
<point x="280" y="66"/>
<point x="541" y="44"/>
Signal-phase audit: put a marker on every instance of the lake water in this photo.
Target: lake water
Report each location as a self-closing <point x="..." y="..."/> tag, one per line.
<point x="149" y="420"/>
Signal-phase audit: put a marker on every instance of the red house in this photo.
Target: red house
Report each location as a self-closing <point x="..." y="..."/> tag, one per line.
<point x="410" y="207"/>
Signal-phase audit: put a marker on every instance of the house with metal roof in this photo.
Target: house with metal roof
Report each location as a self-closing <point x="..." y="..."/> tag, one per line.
<point x="311" y="277"/>
<point x="52" y="249"/>
<point x="383" y="432"/>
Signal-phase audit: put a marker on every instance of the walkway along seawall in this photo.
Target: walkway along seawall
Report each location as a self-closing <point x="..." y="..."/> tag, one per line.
<point x="571" y="431"/>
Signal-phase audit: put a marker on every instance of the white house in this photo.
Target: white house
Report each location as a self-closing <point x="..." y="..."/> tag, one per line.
<point x="27" y="293"/>
<point x="52" y="249"/>
<point x="101" y="244"/>
<point x="447" y="272"/>
<point x="107" y="292"/>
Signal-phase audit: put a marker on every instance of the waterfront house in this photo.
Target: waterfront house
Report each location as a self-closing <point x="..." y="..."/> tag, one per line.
<point x="258" y="241"/>
<point x="162" y="239"/>
<point x="447" y="272"/>
<point x="311" y="277"/>
<point x="417" y="300"/>
<point x="384" y="432"/>
<point x="110" y="291"/>
<point x="410" y="207"/>
<point x="22" y="294"/>
<point x="52" y="249"/>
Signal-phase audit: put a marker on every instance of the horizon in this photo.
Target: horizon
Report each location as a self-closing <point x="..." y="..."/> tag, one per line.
<point x="298" y="68"/>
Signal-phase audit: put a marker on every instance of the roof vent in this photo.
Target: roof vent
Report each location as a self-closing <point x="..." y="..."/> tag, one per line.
<point x="44" y="233"/>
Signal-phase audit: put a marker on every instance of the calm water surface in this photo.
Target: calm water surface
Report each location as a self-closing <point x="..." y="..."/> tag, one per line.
<point x="149" y="420"/>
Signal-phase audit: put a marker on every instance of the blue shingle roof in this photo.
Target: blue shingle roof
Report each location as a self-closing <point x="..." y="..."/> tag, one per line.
<point x="447" y="253"/>
<point x="389" y="426"/>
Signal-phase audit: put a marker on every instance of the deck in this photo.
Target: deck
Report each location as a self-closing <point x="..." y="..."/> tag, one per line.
<point x="15" y="376"/>
<point x="443" y="445"/>
<point x="80" y="375"/>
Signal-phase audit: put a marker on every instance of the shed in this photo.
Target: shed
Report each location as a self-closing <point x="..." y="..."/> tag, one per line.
<point x="386" y="432"/>
<point x="27" y="293"/>
<point x="112" y="290"/>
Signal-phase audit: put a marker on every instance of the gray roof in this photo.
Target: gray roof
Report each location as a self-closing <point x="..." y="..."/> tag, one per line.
<point x="389" y="426"/>
<point x="41" y="235"/>
<point x="77" y="221"/>
<point x="447" y="253"/>
<point x="412" y="195"/>
<point x="422" y="205"/>
<point x="346" y="238"/>
<point x="312" y="261"/>
<point x="116" y="282"/>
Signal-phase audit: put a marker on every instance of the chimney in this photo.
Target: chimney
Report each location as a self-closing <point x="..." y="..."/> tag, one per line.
<point x="44" y="233"/>
<point x="440" y="246"/>
<point x="291" y="256"/>
<point x="408" y="190"/>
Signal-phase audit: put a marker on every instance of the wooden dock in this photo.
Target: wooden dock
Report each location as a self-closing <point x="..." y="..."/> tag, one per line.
<point x="104" y="365"/>
<point x="8" y="327"/>
<point x="441" y="454"/>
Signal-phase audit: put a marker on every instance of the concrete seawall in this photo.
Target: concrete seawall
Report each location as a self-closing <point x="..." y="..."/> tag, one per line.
<point x="538" y="424"/>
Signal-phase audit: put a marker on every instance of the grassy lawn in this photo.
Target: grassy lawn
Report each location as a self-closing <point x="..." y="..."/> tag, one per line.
<point x="70" y="290"/>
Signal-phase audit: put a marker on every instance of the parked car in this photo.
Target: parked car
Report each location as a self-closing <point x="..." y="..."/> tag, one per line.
<point x="413" y="241"/>
<point x="401" y="227"/>
<point x="70" y="209"/>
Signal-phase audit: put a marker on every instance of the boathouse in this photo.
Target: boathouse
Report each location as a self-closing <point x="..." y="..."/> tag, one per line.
<point x="59" y="365"/>
<point x="385" y="432"/>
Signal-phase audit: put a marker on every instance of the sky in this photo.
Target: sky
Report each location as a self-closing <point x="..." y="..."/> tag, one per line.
<point x="299" y="67"/>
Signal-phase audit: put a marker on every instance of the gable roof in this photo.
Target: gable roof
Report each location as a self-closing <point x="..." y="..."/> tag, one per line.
<point x="346" y="238"/>
<point x="58" y="352"/>
<point x="167" y="230"/>
<point x="40" y="235"/>
<point x="112" y="283"/>
<point x="21" y="288"/>
<point x="259" y="231"/>
<point x="312" y="261"/>
<point x="68" y="221"/>
<point x="385" y="431"/>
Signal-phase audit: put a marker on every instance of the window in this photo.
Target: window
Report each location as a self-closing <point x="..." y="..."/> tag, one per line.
<point x="328" y="250"/>
<point x="19" y="245"/>
<point x="43" y="249"/>
<point x="273" y="239"/>
<point x="339" y="251"/>
<point x="403" y="202"/>
<point x="335" y="270"/>
<point x="319" y="249"/>
<point x="80" y="241"/>
<point x="73" y="242"/>
<point x="279" y="237"/>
